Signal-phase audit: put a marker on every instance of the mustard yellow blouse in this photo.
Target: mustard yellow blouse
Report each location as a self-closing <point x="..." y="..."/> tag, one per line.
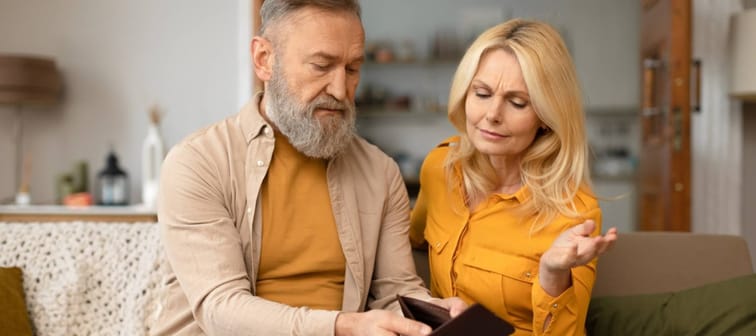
<point x="489" y="255"/>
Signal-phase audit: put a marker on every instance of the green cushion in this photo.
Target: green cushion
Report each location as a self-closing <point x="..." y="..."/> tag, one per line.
<point x="722" y="308"/>
<point x="13" y="317"/>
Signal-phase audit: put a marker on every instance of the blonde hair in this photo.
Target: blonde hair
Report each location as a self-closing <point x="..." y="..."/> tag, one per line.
<point x="555" y="166"/>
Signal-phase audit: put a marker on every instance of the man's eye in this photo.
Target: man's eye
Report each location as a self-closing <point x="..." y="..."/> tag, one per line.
<point x="320" y="67"/>
<point x="353" y="70"/>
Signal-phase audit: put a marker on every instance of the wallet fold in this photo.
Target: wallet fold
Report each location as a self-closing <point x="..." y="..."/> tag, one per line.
<point x="476" y="320"/>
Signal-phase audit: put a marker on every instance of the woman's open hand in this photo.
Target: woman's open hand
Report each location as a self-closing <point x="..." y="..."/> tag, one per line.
<point x="575" y="247"/>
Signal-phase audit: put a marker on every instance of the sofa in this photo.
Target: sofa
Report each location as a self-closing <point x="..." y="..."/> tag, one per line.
<point x="79" y="278"/>
<point x="665" y="283"/>
<point x="104" y="278"/>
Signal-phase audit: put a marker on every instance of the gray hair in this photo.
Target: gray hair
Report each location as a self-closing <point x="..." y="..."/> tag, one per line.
<point x="273" y="11"/>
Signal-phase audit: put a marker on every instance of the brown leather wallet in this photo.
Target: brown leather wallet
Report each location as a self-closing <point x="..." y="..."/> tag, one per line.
<point x="476" y="320"/>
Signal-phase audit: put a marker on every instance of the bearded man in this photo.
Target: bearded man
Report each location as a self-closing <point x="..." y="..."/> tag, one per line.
<point x="280" y="220"/>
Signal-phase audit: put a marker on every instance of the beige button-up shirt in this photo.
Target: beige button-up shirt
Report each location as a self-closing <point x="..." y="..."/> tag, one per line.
<point x="211" y="229"/>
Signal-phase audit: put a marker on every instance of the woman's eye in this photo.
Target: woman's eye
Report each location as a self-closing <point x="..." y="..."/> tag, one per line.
<point x="518" y="103"/>
<point x="481" y="94"/>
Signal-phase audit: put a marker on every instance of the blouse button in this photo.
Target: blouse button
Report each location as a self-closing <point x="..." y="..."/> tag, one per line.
<point x="260" y="163"/>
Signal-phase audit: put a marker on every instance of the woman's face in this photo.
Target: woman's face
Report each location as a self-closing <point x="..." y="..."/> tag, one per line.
<point x="501" y="121"/>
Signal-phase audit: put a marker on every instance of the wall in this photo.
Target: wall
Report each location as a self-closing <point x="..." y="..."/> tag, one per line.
<point x="602" y="36"/>
<point x="118" y="58"/>
<point x="717" y="131"/>
<point x="724" y="134"/>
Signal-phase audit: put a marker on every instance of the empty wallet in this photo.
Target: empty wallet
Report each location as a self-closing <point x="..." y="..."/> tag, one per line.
<point x="476" y="320"/>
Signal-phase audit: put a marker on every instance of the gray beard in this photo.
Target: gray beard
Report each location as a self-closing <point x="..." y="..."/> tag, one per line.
<point x="323" y="138"/>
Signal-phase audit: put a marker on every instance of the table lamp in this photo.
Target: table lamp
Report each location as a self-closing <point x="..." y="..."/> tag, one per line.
<point x="27" y="81"/>
<point x="743" y="61"/>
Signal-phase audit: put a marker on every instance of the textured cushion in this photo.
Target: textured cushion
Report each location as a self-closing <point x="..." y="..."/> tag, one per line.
<point x="721" y="308"/>
<point x="13" y="317"/>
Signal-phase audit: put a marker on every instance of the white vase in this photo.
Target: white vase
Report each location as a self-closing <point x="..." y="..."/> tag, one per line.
<point x="153" y="153"/>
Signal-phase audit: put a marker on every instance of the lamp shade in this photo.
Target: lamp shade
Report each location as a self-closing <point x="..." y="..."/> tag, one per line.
<point x="28" y="80"/>
<point x="743" y="61"/>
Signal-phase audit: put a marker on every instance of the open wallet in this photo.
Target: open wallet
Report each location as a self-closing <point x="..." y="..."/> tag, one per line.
<point x="476" y="320"/>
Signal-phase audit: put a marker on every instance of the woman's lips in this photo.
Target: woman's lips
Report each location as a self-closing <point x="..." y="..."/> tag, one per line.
<point x="491" y="134"/>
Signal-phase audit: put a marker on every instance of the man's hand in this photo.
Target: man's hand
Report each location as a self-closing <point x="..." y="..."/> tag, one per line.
<point x="378" y="322"/>
<point x="453" y="304"/>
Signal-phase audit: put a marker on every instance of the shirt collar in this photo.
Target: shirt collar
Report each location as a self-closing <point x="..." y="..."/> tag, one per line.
<point x="251" y="121"/>
<point x="520" y="195"/>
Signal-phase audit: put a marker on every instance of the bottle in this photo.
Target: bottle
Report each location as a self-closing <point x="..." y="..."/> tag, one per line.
<point x="112" y="183"/>
<point x="153" y="152"/>
<point x="23" y="197"/>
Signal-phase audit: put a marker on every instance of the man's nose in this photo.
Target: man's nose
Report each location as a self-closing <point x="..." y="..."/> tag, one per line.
<point x="337" y="87"/>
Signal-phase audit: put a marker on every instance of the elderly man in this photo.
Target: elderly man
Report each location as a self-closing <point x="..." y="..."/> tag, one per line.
<point x="280" y="220"/>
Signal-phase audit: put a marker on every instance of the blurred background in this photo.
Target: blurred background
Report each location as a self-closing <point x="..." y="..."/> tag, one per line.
<point x="189" y="60"/>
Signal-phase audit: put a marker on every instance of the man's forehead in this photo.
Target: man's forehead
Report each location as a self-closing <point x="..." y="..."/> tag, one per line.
<point x="325" y="34"/>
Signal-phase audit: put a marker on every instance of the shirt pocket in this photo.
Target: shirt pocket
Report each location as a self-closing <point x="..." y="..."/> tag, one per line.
<point x="438" y="264"/>
<point x="436" y="237"/>
<point x="500" y="281"/>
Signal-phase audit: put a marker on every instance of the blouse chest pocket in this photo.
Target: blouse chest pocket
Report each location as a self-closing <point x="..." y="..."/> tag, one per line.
<point x="437" y="239"/>
<point x="500" y="281"/>
<point x="438" y="263"/>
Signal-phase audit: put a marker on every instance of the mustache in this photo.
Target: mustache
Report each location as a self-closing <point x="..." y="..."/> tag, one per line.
<point x="330" y="103"/>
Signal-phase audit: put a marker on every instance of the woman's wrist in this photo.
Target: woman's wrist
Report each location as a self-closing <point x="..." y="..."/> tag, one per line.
<point x="554" y="281"/>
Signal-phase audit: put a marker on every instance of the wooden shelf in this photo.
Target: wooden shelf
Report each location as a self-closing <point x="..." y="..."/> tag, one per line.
<point x="413" y="63"/>
<point x="375" y="112"/>
<point x="58" y="213"/>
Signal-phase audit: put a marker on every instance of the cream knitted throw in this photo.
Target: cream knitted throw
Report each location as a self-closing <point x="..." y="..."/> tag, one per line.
<point x="83" y="278"/>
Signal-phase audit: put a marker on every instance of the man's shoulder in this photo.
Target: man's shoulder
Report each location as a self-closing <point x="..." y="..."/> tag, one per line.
<point x="361" y="149"/>
<point x="210" y="141"/>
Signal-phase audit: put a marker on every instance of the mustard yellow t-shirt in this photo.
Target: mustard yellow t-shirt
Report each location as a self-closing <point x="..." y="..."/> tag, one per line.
<point x="301" y="260"/>
<point x="489" y="255"/>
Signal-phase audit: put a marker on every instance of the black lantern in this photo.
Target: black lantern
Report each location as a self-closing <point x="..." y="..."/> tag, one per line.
<point x="112" y="183"/>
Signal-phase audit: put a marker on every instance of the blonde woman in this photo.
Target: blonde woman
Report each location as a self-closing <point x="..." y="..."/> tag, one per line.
<point x="506" y="206"/>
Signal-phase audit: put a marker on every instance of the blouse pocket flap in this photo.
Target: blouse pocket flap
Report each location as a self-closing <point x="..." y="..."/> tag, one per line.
<point x="511" y="266"/>
<point x="436" y="239"/>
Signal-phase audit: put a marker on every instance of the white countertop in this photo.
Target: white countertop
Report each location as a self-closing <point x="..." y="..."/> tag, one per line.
<point x="68" y="210"/>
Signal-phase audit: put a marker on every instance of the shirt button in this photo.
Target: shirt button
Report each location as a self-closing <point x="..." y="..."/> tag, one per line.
<point x="438" y="245"/>
<point x="249" y="210"/>
<point x="260" y="163"/>
<point x="527" y="275"/>
<point x="555" y="306"/>
<point x="266" y="131"/>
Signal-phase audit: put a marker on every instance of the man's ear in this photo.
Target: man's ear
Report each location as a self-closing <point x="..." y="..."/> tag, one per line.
<point x="262" y="57"/>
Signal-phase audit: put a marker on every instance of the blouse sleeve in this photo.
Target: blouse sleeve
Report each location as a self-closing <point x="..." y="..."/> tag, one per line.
<point x="568" y="310"/>
<point x="417" y="221"/>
